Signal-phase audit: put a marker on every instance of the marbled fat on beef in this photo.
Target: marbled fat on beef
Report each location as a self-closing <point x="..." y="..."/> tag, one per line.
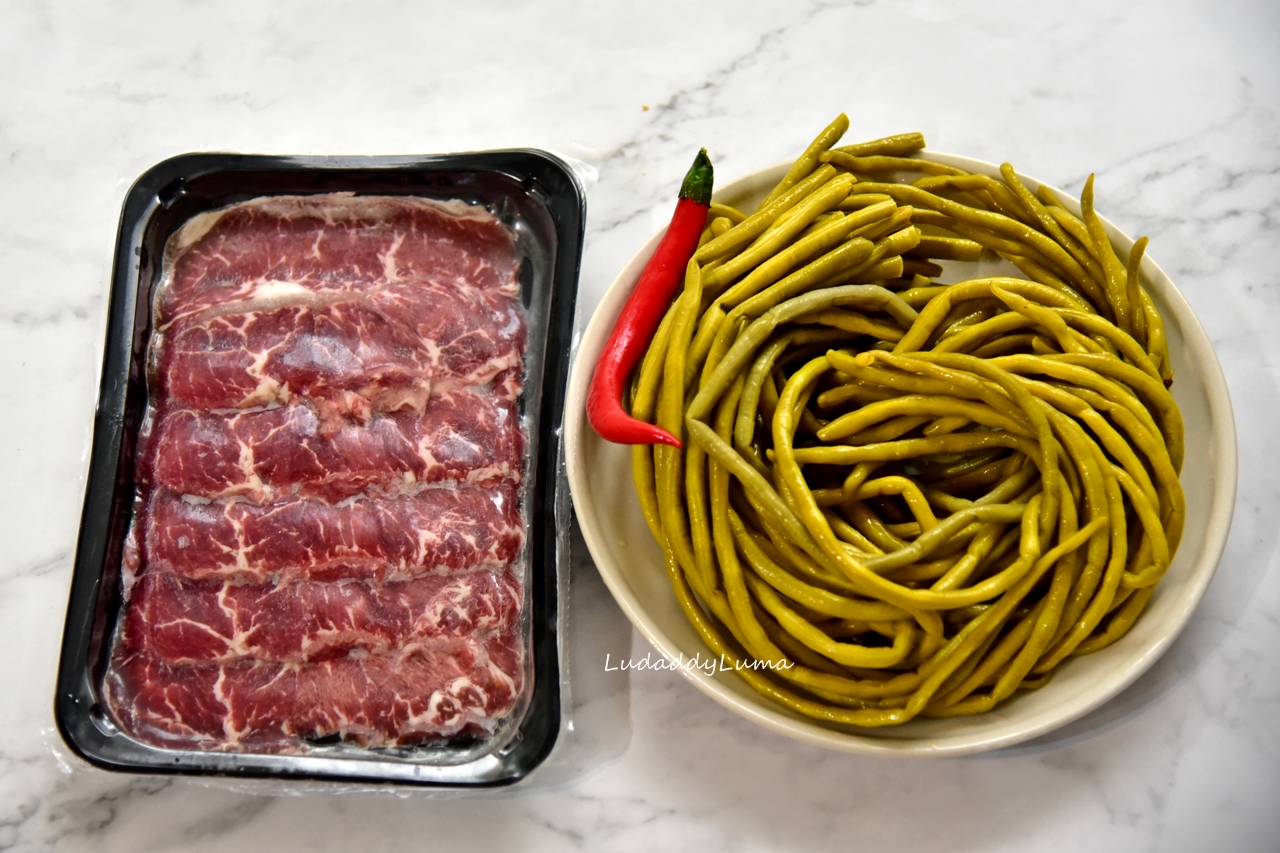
<point x="434" y="531"/>
<point x="257" y="358"/>
<point x="389" y="352"/>
<point x="461" y="436"/>
<point x="327" y="532"/>
<point x="461" y="686"/>
<point x="183" y="621"/>
<point x="281" y="247"/>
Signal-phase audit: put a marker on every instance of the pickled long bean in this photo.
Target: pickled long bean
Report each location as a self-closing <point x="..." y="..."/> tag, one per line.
<point x="900" y="497"/>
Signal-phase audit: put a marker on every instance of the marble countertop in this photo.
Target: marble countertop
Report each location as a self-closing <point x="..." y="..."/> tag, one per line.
<point x="1176" y="105"/>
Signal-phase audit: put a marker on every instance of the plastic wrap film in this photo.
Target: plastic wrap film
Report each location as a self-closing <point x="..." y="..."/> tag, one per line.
<point x="539" y="202"/>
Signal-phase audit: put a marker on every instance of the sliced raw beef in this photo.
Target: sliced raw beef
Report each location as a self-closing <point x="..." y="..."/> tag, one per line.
<point x="464" y="685"/>
<point x="326" y="538"/>
<point x="263" y="455"/>
<point x="258" y="358"/>
<point x="283" y="246"/>
<point x="184" y="621"/>
<point x="436" y="530"/>
<point x="388" y="355"/>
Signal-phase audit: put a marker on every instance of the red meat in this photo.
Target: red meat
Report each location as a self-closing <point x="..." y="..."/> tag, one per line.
<point x="385" y="353"/>
<point x="282" y="246"/>
<point x="183" y="621"/>
<point x="460" y="686"/>
<point x="462" y="436"/>
<point x="441" y="530"/>
<point x="327" y="532"/>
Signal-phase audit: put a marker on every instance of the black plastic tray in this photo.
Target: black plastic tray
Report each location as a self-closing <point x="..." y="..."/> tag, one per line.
<point x="535" y="194"/>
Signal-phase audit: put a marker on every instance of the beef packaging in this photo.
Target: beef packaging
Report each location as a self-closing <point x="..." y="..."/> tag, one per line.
<point x="433" y="643"/>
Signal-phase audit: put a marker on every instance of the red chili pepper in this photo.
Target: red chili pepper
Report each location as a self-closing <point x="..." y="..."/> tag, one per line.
<point x="643" y="311"/>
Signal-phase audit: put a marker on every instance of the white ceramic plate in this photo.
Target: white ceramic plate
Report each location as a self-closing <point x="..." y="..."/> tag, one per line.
<point x="631" y="562"/>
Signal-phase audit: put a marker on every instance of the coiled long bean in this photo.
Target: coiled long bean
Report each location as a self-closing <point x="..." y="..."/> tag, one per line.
<point x="900" y="497"/>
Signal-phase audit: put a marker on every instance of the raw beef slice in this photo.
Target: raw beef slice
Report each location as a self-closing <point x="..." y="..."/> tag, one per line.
<point x="182" y="621"/>
<point x="462" y="686"/>
<point x="436" y="530"/>
<point x="262" y="455"/>
<point x="390" y="355"/>
<point x="286" y="245"/>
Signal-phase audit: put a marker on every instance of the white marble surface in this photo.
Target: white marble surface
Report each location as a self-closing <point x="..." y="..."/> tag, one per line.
<point x="1175" y="104"/>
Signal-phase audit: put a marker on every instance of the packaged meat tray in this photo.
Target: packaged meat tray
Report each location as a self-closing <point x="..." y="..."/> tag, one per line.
<point x="319" y="537"/>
